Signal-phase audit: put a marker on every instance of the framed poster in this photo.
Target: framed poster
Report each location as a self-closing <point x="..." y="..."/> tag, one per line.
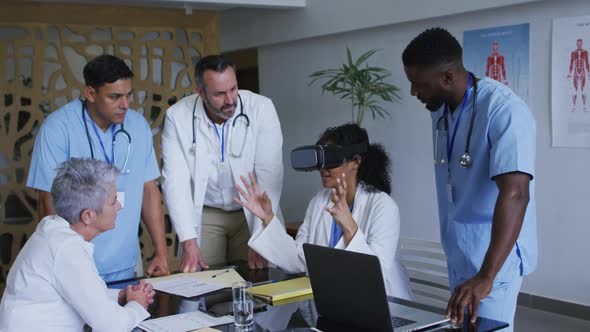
<point x="570" y="73"/>
<point x="500" y="53"/>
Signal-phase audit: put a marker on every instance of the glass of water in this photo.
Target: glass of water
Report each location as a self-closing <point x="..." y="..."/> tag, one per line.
<point x="243" y="305"/>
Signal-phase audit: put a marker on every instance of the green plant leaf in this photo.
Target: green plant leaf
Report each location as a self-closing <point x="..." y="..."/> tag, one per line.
<point x="361" y="84"/>
<point x="348" y="56"/>
<point x="364" y="57"/>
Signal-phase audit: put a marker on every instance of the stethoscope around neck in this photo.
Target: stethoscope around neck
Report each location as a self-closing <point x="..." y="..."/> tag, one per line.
<point x="439" y="154"/>
<point x="120" y="131"/>
<point x="193" y="148"/>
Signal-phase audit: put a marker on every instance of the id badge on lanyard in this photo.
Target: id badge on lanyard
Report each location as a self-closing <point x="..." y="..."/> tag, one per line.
<point x="121" y="198"/>
<point x="449" y="185"/>
<point x="451" y="141"/>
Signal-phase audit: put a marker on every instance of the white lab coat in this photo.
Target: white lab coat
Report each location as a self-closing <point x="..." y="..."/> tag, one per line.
<point x="377" y="217"/>
<point x="54" y="286"/>
<point x="186" y="173"/>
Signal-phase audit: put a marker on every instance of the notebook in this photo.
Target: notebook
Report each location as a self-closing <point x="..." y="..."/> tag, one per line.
<point x="283" y="290"/>
<point x="348" y="289"/>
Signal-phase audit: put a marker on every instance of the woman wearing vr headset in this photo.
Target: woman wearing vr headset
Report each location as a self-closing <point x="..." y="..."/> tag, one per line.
<point x="353" y="212"/>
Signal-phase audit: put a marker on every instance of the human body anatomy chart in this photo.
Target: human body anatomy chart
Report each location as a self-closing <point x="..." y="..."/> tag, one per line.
<point x="500" y="53"/>
<point x="570" y="73"/>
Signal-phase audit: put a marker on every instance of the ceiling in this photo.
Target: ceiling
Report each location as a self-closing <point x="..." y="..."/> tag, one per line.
<point x="189" y="5"/>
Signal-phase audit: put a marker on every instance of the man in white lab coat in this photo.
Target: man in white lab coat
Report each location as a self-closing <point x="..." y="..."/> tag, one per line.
<point x="210" y="139"/>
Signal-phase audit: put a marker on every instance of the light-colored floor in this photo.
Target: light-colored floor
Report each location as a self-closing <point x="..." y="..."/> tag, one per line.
<point x="528" y="319"/>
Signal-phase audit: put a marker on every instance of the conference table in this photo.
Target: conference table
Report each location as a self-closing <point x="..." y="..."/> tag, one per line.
<point x="294" y="316"/>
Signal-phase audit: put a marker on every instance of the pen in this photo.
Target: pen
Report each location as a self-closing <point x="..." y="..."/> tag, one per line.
<point x="264" y="282"/>
<point x="230" y="267"/>
<point x="220" y="273"/>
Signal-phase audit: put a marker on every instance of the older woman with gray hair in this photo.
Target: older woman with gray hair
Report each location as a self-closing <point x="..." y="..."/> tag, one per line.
<point x="54" y="284"/>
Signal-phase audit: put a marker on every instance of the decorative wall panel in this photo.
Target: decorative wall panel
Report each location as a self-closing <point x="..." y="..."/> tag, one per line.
<point x="41" y="70"/>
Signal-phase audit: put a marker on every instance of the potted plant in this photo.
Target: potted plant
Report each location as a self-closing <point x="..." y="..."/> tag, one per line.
<point x="360" y="83"/>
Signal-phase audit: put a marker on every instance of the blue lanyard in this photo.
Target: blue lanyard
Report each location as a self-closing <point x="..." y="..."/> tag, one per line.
<point x="222" y="138"/>
<point x="446" y="111"/>
<point x="336" y="232"/>
<point x="112" y="160"/>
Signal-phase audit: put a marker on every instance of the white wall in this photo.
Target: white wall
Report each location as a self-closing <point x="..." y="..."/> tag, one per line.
<point x="563" y="180"/>
<point x="246" y="28"/>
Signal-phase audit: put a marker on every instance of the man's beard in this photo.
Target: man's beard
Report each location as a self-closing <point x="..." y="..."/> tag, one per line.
<point x="433" y="107"/>
<point x="218" y="111"/>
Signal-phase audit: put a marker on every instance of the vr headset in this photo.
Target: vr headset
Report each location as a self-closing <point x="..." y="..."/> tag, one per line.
<point x="325" y="156"/>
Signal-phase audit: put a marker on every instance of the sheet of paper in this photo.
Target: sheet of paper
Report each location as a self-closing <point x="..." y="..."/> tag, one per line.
<point x="184" y="322"/>
<point x="185" y="286"/>
<point x="223" y="277"/>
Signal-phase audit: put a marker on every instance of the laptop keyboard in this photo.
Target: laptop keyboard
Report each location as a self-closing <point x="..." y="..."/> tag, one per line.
<point x="399" y="321"/>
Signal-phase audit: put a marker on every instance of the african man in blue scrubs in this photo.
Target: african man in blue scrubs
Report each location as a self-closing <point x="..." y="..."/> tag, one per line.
<point x="103" y="127"/>
<point x="484" y="155"/>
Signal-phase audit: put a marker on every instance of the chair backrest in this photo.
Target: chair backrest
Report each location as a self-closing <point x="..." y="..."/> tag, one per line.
<point x="426" y="264"/>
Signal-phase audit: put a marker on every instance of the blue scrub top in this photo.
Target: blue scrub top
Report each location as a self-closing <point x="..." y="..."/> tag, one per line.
<point x="62" y="136"/>
<point x="503" y="141"/>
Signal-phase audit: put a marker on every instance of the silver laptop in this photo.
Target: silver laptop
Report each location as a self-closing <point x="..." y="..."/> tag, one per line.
<point x="348" y="290"/>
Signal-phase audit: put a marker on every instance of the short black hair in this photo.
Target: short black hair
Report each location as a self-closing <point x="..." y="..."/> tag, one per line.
<point x="105" y="69"/>
<point x="214" y="62"/>
<point x="373" y="171"/>
<point x="433" y="47"/>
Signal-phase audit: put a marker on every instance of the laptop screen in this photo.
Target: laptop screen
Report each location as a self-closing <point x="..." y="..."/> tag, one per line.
<point x="348" y="287"/>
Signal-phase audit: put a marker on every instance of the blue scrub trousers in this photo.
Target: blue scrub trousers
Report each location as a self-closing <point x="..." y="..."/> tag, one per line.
<point x="119" y="275"/>
<point x="501" y="303"/>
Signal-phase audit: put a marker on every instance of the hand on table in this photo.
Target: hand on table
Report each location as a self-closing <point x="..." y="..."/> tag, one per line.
<point x="468" y="294"/>
<point x="192" y="258"/>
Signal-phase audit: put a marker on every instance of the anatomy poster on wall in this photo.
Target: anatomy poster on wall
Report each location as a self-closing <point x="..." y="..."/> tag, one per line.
<point x="500" y="53"/>
<point x="570" y="73"/>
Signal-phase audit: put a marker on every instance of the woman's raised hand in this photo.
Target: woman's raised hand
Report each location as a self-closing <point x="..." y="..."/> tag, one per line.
<point x="254" y="200"/>
<point x="340" y="211"/>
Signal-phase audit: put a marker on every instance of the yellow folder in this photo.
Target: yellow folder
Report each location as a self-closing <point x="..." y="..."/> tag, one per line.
<point x="292" y="300"/>
<point x="280" y="291"/>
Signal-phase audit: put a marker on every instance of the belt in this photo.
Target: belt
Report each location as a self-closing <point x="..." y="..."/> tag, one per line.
<point x="221" y="210"/>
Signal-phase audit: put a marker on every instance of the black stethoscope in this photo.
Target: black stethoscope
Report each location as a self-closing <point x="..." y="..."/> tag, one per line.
<point x="465" y="161"/>
<point x="120" y="131"/>
<point x="242" y="114"/>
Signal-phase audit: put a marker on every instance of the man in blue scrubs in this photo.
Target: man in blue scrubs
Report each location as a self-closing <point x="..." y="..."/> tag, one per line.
<point x="102" y="127"/>
<point x="485" y="167"/>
